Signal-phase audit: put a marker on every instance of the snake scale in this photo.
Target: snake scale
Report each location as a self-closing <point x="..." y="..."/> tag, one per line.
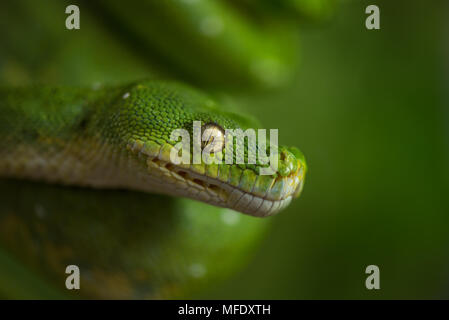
<point x="86" y="173"/>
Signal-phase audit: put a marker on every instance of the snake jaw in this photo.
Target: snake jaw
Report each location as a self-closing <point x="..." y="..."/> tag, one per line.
<point x="264" y="196"/>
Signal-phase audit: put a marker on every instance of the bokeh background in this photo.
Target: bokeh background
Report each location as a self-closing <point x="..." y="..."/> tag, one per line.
<point x="369" y="109"/>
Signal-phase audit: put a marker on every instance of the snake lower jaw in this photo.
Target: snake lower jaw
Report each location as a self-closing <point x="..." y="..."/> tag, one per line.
<point x="185" y="181"/>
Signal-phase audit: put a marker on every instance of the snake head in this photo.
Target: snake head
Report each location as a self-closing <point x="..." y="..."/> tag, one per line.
<point x="146" y="115"/>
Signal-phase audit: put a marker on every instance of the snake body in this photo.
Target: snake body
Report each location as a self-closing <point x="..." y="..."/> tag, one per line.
<point x="119" y="137"/>
<point x="72" y="160"/>
<point x="85" y="172"/>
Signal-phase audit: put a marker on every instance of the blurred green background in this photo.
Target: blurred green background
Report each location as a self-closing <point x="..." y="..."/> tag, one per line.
<point x="369" y="109"/>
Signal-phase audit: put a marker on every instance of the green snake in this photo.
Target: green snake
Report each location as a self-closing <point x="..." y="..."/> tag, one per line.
<point x="119" y="138"/>
<point x="87" y="177"/>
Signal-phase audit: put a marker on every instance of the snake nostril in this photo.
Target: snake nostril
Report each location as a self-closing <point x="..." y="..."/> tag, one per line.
<point x="282" y="156"/>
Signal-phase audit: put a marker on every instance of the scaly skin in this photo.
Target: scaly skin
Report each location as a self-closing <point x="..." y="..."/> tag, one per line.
<point x="120" y="138"/>
<point x="127" y="244"/>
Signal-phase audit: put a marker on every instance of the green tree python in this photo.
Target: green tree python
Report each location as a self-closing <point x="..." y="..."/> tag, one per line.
<point x="119" y="138"/>
<point x="87" y="177"/>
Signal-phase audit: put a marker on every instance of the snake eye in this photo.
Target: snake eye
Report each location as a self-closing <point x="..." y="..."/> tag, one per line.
<point x="213" y="137"/>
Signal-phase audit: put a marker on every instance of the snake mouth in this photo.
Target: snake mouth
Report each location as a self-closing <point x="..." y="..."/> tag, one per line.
<point x="197" y="183"/>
